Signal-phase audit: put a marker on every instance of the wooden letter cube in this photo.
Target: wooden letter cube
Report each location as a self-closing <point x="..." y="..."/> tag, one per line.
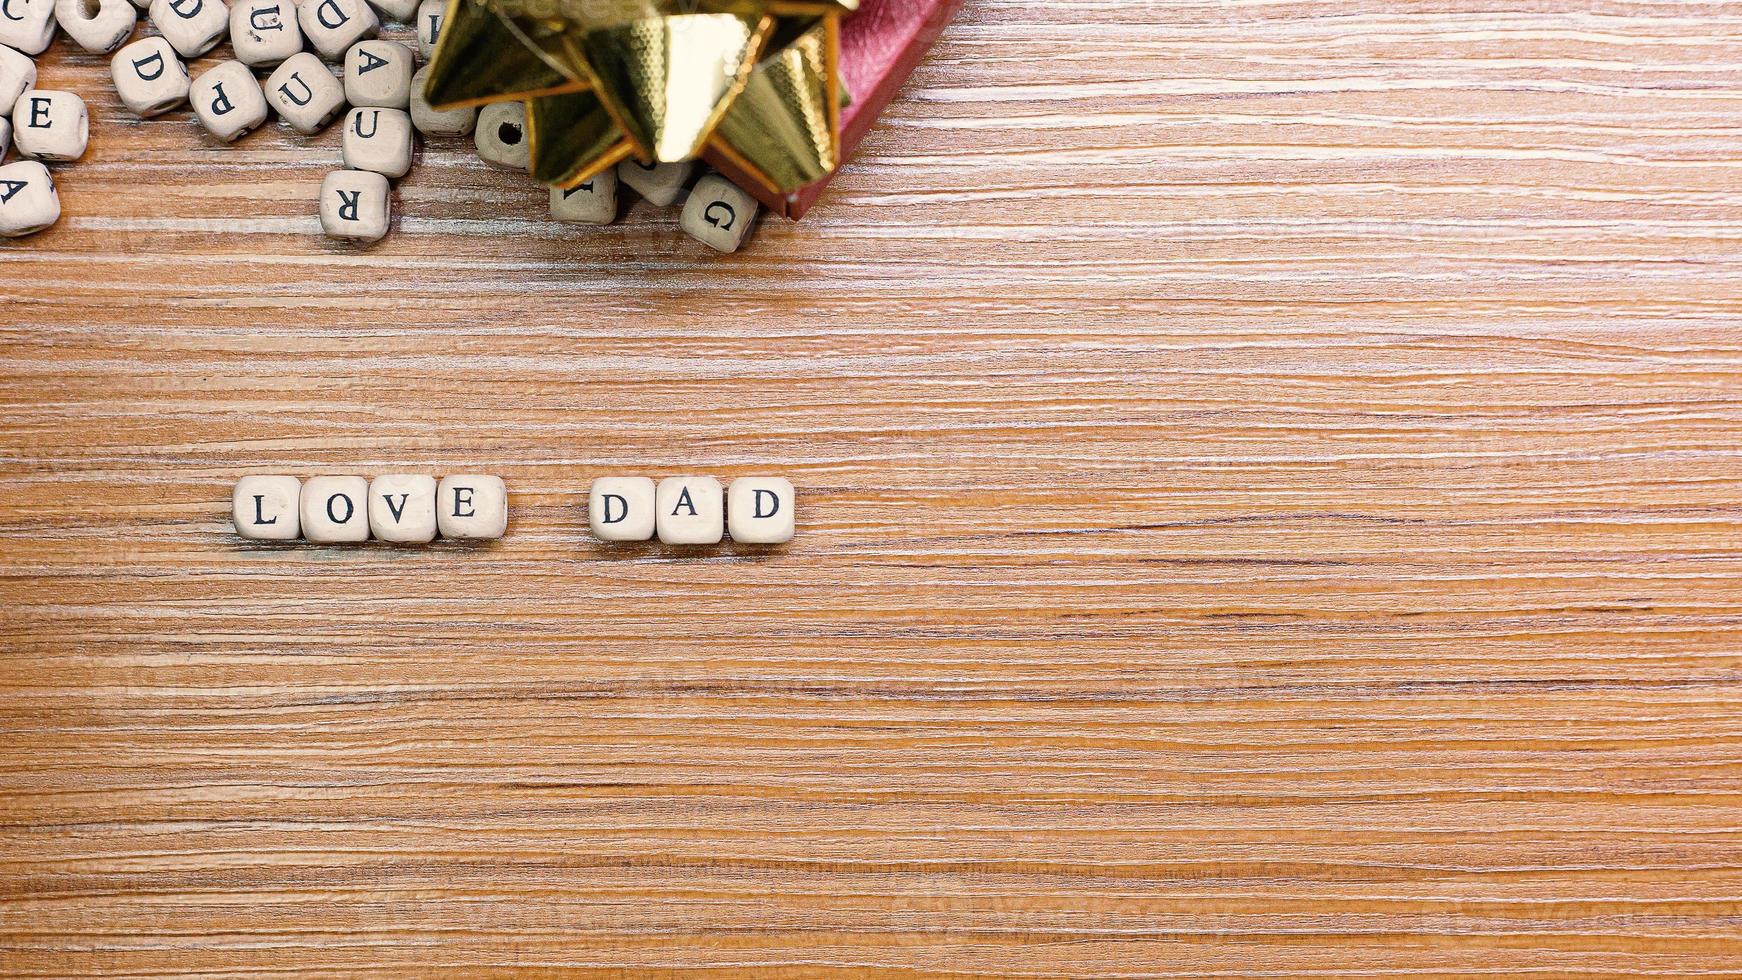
<point x="228" y="101"/>
<point x="399" y="10"/>
<point x="304" y="93"/>
<point x="438" y="122"/>
<point x="620" y="508"/>
<point x="718" y="214"/>
<point x="378" y="140"/>
<point x="267" y="508"/>
<point x="98" y="26"/>
<point x="354" y="205"/>
<point x="593" y="202"/>
<point x="378" y="72"/>
<point x="193" y="27"/>
<point x="27" y="25"/>
<point x="17" y="73"/>
<point x="149" y="78"/>
<point x="28" y="202"/>
<point x="501" y="136"/>
<point x="759" y="510"/>
<point x="5" y="137"/>
<point x="264" y="32"/>
<point x="472" y="507"/>
<point x="334" y="509"/>
<point x="429" y="25"/>
<point x="402" y="508"/>
<point x="334" y="25"/>
<point x="50" y="126"/>
<point x="660" y="183"/>
<point x="690" y="510"/>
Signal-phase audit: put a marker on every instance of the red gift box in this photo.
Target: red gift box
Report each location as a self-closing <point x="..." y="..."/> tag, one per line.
<point x="881" y="44"/>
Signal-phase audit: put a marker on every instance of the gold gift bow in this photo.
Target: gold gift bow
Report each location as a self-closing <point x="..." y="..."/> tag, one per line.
<point x="755" y="81"/>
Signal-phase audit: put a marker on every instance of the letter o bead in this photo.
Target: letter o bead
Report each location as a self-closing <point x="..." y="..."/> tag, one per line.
<point x="620" y="508"/>
<point x="689" y="510"/>
<point x="759" y="510"/>
<point x="334" y="509"/>
<point x="472" y="508"/>
<point x="149" y="78"/>
<point x="267" y="508"/>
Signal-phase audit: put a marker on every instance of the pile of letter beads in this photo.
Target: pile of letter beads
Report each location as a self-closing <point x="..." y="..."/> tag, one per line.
<point x="43" y="125"/>
<point x="691" y="510"/>
<point x="397" y="508"/>
<point x="716" y="213"/>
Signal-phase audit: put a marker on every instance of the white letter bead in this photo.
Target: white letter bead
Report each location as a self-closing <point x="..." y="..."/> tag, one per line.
<point x="50" y="126"/>
<point x="28" y="202"/>
<point x="149" y="78"/>
<point x="5" y="137"/>
<point x="472" y="507"/>
<point x="438" y="122"/>
<point x="354" y="205"/>
<point x="592" y="202"/>
<point x="402" y="508"/>
<point x="378" y="139"/>
<point x="660" y="183"/>
<point x="228" y="101"/>
<point x="304" y="93"/>
<point x="759" y="510"/>
<point x="334" y="509"/>
<point x="17" y="73"/>
<point x="718" y="214"/>
<point x="620" y="508"/>
<point x="501" y="135"/>
<point x="193" y="27"/>
<point x="98" y="26"/>
<point x="400" y="10"/>
<point x="264" y="32"/>
<point x="429" y="25"/>
<point x="334" y="25"/>
<point x="378" y="72"/>
<point x="689" y="510"/>
<point x="27" y="25"/>
<point x="267" y="508"/>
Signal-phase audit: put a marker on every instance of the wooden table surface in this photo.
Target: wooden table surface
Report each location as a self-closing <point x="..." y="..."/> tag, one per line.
<point x="1271" y="482"/>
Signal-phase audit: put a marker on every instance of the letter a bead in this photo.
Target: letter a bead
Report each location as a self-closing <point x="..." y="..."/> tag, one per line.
<point x="267" y="508"/>
<point x="688" y="510"/>
<point x="334" y="509"/>
<point x="149" y="78"/>
<point x="620" y="508"/>
<point x="402" y="508"/>
<point x="378" y="72"/>
<point x="759" y="510"/>
<point x="28" y="202"/>
<point x="472" y="507"/>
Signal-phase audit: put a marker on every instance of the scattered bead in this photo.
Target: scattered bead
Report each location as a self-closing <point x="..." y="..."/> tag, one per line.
<point x="98" y="26"/>
<point x="28" y="201"/>
<point x="17" y="73"/>
<point x="354" y="205"/>
<point x="501" y="136"/>
<point x="378" y="140"/>
<point x="228" y="101"/>
<point x="660" y="183"/>
<point x="438" y="122"/>
<point x="593" y="201"/>
<point x="5" y="137"/>
<point x="398" y="10"/>
<point x="429" y="25"/>
<point x="378" y="72"/>
<point x="334" y="25"/>
<point x="149" y="78"/>
<point x="192" y="27"/>
<point x="305" y="93"/>
<point x="27" y="25"/>
<point x="264" y="32"/>
<point x="50" y="126"/>
<point x="718" y="213"/>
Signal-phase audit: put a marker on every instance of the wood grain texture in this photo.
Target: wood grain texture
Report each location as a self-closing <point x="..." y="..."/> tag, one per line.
<point x="1271" y="505"/>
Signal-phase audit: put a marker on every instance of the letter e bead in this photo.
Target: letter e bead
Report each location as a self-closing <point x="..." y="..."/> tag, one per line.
<point x="335" y="509"/>
<point x="50" y="126"/>
<point x="149" y="78"/>
<point x="402" y="508"/>
<point x="689" y="510"/>
<point x="267" y="508"/>
<point x="228" y="101"/>
<point x="759" y="510"/>
<point x="472" y="507"/>
<point x="620" y="508"/>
